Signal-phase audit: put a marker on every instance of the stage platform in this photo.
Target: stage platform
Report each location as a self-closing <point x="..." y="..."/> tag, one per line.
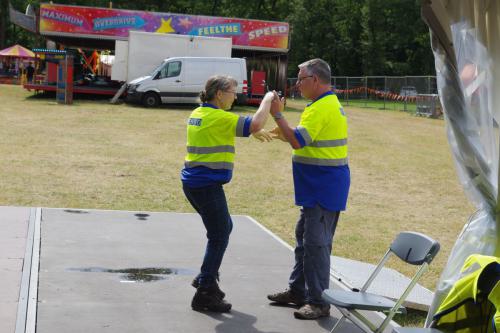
<point x="75" y="270"/>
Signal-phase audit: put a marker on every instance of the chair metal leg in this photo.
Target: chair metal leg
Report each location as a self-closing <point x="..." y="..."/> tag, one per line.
<point x="338" y="323"/>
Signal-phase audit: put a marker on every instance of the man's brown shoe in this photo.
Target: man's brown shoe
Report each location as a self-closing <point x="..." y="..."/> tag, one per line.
<point x="312" y="311"/>
<point x="286" y="297"/>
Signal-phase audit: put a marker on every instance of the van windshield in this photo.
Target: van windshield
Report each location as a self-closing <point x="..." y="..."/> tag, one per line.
<point x="157" y="68"/>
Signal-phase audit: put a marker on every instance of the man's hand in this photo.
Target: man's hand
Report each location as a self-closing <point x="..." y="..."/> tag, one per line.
<point x="262" y="136"/>
<point x="278" y="104"/>
<point x="276" y="133"/>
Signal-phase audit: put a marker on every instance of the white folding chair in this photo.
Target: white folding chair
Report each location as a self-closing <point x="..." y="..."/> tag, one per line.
<point x="411" y="247"/>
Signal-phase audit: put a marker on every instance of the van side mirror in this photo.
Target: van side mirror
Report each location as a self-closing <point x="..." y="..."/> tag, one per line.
<point x="157" y="75"/>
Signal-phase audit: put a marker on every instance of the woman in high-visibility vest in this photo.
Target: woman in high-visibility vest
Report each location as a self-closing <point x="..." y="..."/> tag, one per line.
<point x="208" y="165"/>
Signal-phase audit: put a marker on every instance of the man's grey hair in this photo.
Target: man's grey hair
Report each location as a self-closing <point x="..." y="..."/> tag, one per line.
<point x="318" y="67"/>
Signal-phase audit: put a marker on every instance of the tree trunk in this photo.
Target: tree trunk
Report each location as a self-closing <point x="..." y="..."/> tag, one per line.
<point x="4" y="16"/>
<point x="214" y="7"/>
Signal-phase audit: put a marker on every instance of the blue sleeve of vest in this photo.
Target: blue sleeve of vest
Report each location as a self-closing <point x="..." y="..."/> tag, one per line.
<point x="246" y="126"/>
<point x="299" y="138"/>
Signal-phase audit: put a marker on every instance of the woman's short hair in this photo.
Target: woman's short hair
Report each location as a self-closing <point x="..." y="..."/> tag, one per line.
<point x="216" y="83"/>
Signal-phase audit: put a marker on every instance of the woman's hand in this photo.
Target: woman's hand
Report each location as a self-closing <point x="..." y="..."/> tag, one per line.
<point x="278" y="134"/>
<point x="268" y="97"/>
<point x="262" y="136"/>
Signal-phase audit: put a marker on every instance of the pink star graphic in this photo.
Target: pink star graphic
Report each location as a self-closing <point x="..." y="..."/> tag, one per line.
<point x="185" y="22"/>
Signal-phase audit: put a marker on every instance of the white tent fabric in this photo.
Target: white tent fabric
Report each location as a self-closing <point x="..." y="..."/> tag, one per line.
<point x="465" y="37"/>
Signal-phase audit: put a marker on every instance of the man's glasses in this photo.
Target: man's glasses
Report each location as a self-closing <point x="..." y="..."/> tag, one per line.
<point x="300" y="79"/>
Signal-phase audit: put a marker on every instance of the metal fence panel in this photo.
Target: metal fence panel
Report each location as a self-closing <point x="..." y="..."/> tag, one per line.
<point x="383" y="92"/>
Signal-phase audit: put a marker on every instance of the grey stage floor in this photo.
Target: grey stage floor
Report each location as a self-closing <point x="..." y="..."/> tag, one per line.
<point x="86" y="284"/>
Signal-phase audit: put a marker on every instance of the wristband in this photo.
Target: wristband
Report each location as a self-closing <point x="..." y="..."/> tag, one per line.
<point x="278" y="115"/>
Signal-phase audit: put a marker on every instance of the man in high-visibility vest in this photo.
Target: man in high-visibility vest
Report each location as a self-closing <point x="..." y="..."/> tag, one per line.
<point x="321" y="180"/>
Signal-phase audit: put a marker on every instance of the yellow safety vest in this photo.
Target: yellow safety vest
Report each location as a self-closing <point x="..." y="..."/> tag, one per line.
<point x="210" y="138"/>
<point x="467" y="308"/>
<point x="323" y="125"/>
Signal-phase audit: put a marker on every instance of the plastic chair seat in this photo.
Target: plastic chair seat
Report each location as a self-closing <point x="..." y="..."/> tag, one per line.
<point x="358" y="300"/>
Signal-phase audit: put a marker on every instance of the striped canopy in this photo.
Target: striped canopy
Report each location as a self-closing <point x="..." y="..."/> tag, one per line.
<point x="17" y="51"/>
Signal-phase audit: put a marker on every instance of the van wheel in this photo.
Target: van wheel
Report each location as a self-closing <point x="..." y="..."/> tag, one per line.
<point x="151" y="100"/>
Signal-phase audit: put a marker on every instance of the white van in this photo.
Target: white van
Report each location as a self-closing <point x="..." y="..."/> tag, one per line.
<point x="181" y="79"/>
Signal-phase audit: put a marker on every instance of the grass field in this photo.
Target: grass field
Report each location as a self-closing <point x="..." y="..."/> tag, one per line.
<point x="96" y="155"/>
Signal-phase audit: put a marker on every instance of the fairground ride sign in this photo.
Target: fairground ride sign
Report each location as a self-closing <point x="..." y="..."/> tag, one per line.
<point x="104" y="23"/>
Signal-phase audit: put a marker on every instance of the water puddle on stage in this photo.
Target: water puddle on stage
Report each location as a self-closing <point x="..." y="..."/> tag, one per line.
<point x="76" y="211"/>
<point x="135" y="275"/>
<point x="142" y="217"/>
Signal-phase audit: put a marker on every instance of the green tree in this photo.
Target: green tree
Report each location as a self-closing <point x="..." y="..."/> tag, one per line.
<point x="357" y="37"/>
<point x="347" y="20"/>
<point x="372" y="38"/>
<point x="314" y="33"/>
<point x="395" y="40"/>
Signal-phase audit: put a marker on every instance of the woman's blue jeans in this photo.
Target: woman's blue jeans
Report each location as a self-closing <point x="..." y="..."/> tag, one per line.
<point x="210" y="202"/>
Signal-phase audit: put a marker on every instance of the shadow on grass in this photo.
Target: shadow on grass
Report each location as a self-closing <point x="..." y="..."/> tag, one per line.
<point x="170" y="106"/>
<point x="412" y="318"/>
<point x="105" y="99"/>
<point x="48" y="95"/>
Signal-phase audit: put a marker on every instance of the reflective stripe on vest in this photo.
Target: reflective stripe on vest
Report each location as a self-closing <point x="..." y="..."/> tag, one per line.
<point x="328" y="143"/>
<point x="305" y="135"/>
<point x="211" y="165"/>
<point x="240" y="126"/>
<point x="210" y="150"/>
<point x="320" y="161"/>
